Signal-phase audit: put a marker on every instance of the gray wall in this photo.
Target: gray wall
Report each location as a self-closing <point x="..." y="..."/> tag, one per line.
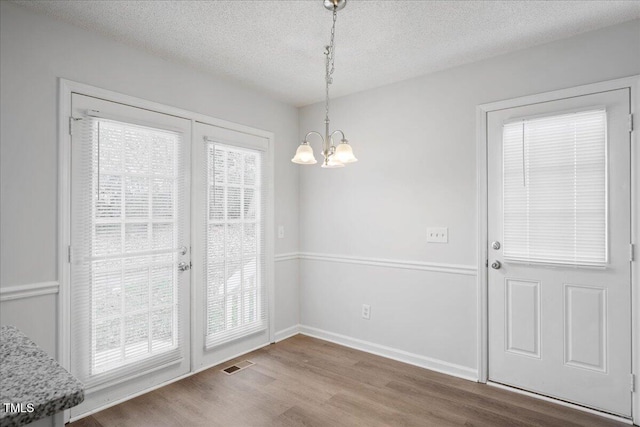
<point x="35" y="51"/>
<point x="416" y="142"/>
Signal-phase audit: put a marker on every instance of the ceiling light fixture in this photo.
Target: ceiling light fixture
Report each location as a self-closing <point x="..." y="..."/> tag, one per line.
<point x="334" y="156"/>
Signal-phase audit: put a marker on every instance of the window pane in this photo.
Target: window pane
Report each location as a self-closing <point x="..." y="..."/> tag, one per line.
<point x="109" y="203"/>
<point x="233" y="203"/>
<point x="136" y="287"/>
<point x="108" y="239"/>
<point x="233" y="255"/>
<point x="216" y="203"/>
<point x="107" y="289"/>
<point x="555" y="199"/>
<point x="163" y="236"/>
<point x="137" y="197"/>
<point x="162" y="197"/>
<point x="133" y="304"/>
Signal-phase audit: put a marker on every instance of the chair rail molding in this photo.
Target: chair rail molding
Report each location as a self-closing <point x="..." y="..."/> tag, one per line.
<point x="10" y="293"/>
<point x="286" y="256"/>
<point x="466" y="270"/>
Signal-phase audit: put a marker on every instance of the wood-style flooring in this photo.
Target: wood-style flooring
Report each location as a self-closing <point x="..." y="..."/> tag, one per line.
<point x="304" y="381"/>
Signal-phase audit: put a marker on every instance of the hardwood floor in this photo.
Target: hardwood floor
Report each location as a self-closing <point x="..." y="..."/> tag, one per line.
<point x="304" y="381"/>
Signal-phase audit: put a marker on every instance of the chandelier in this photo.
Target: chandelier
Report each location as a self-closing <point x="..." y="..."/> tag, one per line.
<point x="334" y="156"/>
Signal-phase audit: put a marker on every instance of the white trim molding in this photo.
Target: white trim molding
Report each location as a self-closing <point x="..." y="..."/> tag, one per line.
<point x="466" y="270"/>
<point x="286" y="256"/>
<point x="393" y="353"/>
<point x="287" y="333"/>
<point x="10" y="293"/>
<point x="635" y="240"/>
<point x="381" y="350"/>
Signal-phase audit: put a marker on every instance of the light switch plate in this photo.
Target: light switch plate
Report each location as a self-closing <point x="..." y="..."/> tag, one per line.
<point x="437" y="235"/>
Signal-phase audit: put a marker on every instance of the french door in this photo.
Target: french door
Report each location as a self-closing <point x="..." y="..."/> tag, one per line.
<point x="232" y="190"/>
<point x="559" y="235"/>
<point x="170" y="267"/>
<point x="130" y="249"/>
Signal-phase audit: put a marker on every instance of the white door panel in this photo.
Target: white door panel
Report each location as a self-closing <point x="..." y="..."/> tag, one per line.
<point x="559" y="327"/>
<point x="129" y="222"/>
<point x="523" y="317"/>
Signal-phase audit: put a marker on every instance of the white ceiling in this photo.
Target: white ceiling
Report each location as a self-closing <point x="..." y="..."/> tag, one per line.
<point x="277" y="46"/>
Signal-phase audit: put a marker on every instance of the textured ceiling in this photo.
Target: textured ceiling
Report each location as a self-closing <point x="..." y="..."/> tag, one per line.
<point x="277" y="46"/>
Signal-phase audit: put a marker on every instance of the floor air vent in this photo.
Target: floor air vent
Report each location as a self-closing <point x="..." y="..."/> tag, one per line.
<point x="229" y="370"/>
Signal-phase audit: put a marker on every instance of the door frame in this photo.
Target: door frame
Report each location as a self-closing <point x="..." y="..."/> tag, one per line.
<point x="482" y="111"/>
<point x="65" y="89"/>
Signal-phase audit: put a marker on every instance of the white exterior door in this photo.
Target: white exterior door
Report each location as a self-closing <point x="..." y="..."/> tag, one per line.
<point x="129" y="252"/>
<point x="232" y="237"/>
<point x="559" y="271"/>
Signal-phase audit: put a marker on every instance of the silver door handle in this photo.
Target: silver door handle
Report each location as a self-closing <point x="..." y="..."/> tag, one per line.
<point x="183" y="266"/>
<point x="496" y="265"/>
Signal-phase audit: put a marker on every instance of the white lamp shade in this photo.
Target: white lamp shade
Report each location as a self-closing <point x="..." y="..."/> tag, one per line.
<point x="344" y="153"/>
<point x="304" y="155"/>
<point x="332" y="163"/>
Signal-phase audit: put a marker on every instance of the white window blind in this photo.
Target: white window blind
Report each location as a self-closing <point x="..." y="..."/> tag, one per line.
<point x="555" y="189"/>
<point x="127" y="201"/>
<point x="234" y="265"/>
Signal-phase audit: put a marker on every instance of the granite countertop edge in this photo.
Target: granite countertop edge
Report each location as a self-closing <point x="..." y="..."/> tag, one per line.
<point x="43" y="410"/>
<point x="30" y="376"/>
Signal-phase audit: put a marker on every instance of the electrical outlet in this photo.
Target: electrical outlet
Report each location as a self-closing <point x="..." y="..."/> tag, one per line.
<point x="437" y="235"/>
<point x="281" y="232"/>
<point x="366" y="311"/>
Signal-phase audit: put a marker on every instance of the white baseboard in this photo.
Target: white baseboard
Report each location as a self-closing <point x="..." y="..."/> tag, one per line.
<point x="287" y="333"/>
<point x="10" y="293"/>
<point x="392" y="353"/>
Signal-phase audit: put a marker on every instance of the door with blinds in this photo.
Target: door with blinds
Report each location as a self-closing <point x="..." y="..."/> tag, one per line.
<point x="231" y="188"/>
<point x="129" y="254"/>
<point x="559" y="249"/>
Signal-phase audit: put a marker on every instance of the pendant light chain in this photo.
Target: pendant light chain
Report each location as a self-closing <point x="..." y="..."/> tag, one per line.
<point x="330" y="66"/>
<point x="332" y="44"/>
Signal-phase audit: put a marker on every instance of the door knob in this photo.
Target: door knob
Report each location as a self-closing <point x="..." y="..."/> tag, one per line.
<point x="496" y="265"/>
<point x="183" y="266"/>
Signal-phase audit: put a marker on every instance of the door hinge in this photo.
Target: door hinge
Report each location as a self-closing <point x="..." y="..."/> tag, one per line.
<point x="632" y="383"/>
<point x="630" y="122"/>
<point x="69" y="254"/>
<point x="632" y="252"/>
